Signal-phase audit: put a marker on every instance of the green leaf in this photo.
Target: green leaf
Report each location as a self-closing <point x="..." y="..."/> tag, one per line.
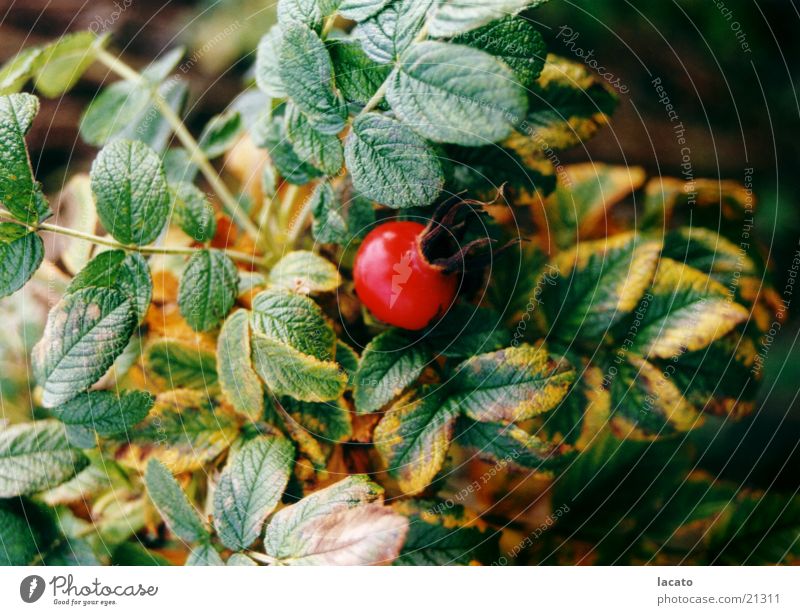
<point x="16" y="72"/>
<point x="106" y="413"/>
<point x="348" y="359"/>
<point x="35" y="457"/>
<point x="329" y="421"/>
<point x="303" y="12"/>
<point x="249" y="488"/>
<point x="323" y="151"/>
<point x="509" y="385"/>
<point x="63" y="62"/>
<point x="192" y="212"/>
<point x="358" y="78"/>
<point x="392" y="164"/>
<point x="341" y="524"/>
<point x="338" y="222"/>
<point x="515" y="41"/>
<point x="134" y="554"/>
<point x="21" y="253"/>
<point x="305" y="272"/>
<point x="294" y="320"/>
<point x="18" y="540"/>
<point x="130" y="191"/>
<point x="683" y="310"/>
<point x="567" y="107"/>
<point x="467" y="330"/>
<point x="441" y="534"/>
<point x="413" y="436"/>
<point x="184" y="430"/>
<point x="240" y="559"/>
<point x="84" y="334"/>
<point x="19" y="192"/>
<point x="179" y="364"/>
<point x="268" y="77"/>
<point x="204" y="554"/>
<point x="208" y="289"/>
<point x="126" y="273"/>
<point x="598" y="284"/>
<point x="287" y="371"/>
<point x="359" y="10"/>
<point x="307" y="75"/>
<point x="508" y="446"/>
<point x="458" y="16"/>
<point x="283" y="155"/>
<point x="390" y="363"/>
<point x="178" y="513"/>
<point x="221" y="133"/>
<point x="388" y="34"/>
<point x="456" y="94"/>
<point x="112" y="111"/>
<point x="237" y="378"/>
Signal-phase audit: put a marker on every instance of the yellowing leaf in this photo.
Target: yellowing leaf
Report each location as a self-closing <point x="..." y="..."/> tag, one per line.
<point x="237" y="378"/>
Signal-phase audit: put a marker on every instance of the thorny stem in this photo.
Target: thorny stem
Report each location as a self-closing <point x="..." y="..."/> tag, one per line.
<point x="234" y="255"/>
<point x="188" y="141"/>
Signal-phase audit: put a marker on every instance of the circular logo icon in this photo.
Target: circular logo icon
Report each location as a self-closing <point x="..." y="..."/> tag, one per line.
<point x="31" y="588"/>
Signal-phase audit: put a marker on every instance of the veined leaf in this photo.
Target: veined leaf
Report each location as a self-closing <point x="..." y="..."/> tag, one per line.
<point x="358" y="77"/>
<point x="19" y="192"/>
<point x="303" y="12"/>
<point x="456" y="94"/>
<point x="18" y="544"/>
<point x="323" y="151"/>
<point x="359" y="10"/>
<point x="458" y="16"/>
<point x="568" y="105"/>
<point x="184" y="430"/>
<point x="294" y="320"/>
<point x="127" y="273"/>
<point x="390" y="362"/>
<point x="208" y="289"/>
<point x="391" y="164"/>
<point x="283" y="155"/>
<point x="106" y="413"/>
<point x="466" y="330"/>
<point x="62" y="63"/>
<point x="515" y="41"/>
<point x="509" y="446"/>
<point x="413" y="437"/>
<point x="76" y="199"/>
<point x="509" y="385"/>
<point x="307" y="75"/>
<point x="221" y="133"/>
<point x="179" y="364"/>
<point x="340" y="222"/>
<point x="299" y="534"/>
<point x="443" y="535"/>
<point x="84" y="335"/>
<point x="305" y="272"/>
<point x="16" y="72"/>
<point x="364" y="536"/>
<point x="268" y="77"/>
<point x="684" y="310"/>
<point x="249" y="488"/>
<point x="193" y="213"/>
<point x="240" y="559"/>
<point x="35" y="457"/>
<point x="204" y="554"/>
<point x="21" y="253"/>
<point x="237" y="378"/>
<point x="388" y="34"/>
<point x="326" y="421"/>
<point x="599" y="283"/>
<point x="130" y="191"/>
<point x="287" y="371"/>
<point x="179" y="514"/>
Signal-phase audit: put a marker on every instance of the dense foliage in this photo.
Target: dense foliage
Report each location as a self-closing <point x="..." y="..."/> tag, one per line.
<point x="209" y="389"/>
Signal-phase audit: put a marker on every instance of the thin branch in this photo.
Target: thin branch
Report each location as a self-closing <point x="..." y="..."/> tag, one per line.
<point x="196" y="154"/>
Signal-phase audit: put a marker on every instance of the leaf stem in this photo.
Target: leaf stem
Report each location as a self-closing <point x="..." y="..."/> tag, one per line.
<point x="196" y="154"/>
<point x="234" y="255"/>
<point x="263" y="558"/>
<point x="299" y="222"/>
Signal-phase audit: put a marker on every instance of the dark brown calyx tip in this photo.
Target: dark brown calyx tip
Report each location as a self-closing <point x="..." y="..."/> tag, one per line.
<point x="442" y="242"/>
